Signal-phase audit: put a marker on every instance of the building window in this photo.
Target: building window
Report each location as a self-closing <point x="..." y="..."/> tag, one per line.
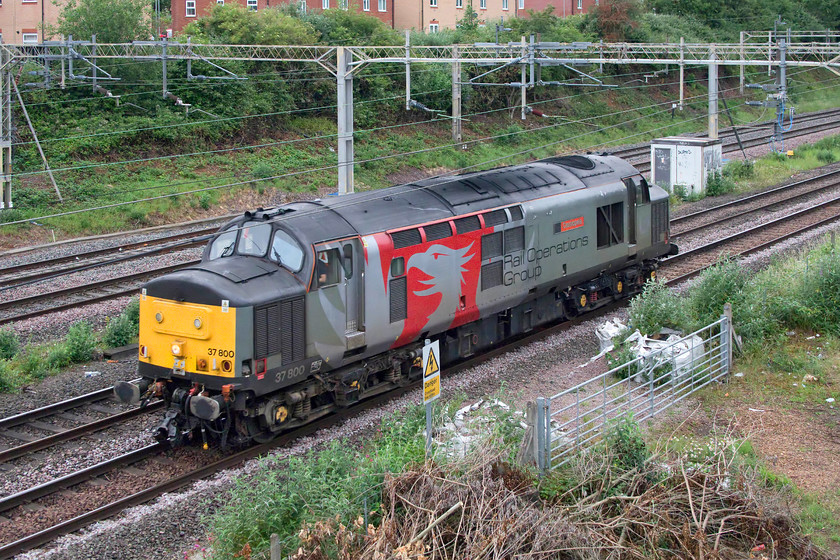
<point x="433" y="3"/>
<point x="504" y="4"/>
<point x="521" y="4"/>
<point x="342" y="4"/>
<point x="252" y="5"/>
<point x="302" y="6"/>
<point x="580" y="4"/>
<point x="325" y="4"/>
<point x="366" y="5"/>
<point x="383" y="6"/>
<point x="30" y="1"/>
<point x="220" y="2"/>
<point x="459" y="3"/>
<point x="30" y="38"/>
<point x="190" y="8"/>
<point x="434" y="28"/>
<point x="483" y="4"/>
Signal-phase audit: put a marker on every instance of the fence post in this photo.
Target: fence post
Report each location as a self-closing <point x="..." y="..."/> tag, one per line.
<point x="539" y="427"/>
<point x="547" y="415"/>
<point x="726" y="336"/>
<point x="275" y="547"/>
<point x="651" y="390"/>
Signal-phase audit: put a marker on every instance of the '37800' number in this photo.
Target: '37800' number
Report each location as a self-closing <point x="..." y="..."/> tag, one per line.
<point x="219" y="352"/>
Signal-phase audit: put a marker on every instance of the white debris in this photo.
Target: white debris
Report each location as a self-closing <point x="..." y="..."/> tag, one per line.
<point x="739" y="374"/>
<point x="470" y="426"/>
<point x="677" y="353"/>
<point x="607" y="331"/>
<point x="92" y="373"/>
<point x="829" y="400"/>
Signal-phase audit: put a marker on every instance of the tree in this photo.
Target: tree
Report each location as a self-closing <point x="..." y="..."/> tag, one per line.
<point x="112" y="21"/>
<point x="615" y="20"/>
<point x="469" y="21"/>
<point x="234" y="24"/>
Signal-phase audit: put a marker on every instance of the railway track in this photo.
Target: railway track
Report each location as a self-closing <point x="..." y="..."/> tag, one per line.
<point x="53" y="420"/>
<point x="747" y="135"/>
<point x="15" y="503"/>
<point x="689" y="264"/>
<point x="674" y="270"/>
<point x="44" y="303"/>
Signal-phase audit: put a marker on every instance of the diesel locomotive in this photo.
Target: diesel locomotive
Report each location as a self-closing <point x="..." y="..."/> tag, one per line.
<point x="299" y="310"/>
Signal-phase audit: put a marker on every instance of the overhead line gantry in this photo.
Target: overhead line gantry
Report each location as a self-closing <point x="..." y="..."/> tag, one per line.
<point x="810" y="50"/>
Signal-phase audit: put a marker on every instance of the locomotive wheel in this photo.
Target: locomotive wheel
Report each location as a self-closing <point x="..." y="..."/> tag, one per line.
<point x="250" y="425"/>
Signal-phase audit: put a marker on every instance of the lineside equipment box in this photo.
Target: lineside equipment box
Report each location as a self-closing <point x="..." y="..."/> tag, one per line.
<point x="684" y="162"/>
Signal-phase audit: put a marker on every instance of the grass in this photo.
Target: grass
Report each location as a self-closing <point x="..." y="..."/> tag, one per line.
<point x="23" y="364"/>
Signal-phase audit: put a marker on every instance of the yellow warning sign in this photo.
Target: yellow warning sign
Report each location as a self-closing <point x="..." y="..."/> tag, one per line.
<point x="431" y="388"/>
<point x="431" y="372"/>
<point x="432" y="366"/>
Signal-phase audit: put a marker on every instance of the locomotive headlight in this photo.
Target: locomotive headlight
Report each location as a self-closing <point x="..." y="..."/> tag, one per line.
<point x="177" y="350"/>
<point x="197" y="323"/>
<point x="159" y="317"/>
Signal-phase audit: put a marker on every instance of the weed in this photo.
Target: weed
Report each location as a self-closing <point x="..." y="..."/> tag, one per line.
<point x="722" y="283"/>
<point x="9" y="344"/>
<point x="9" y="380"/>
<point x="262" y="171"/>
<point x="58" y="357"/>
<point x="205" y="200"/>
<point x="739" y="170"/>
<point x="825" y="156"/>
<point x="624" y="440"/>
<point x="80" y="342"/>
<point x="718" y="184"/>
<point x="657" y="307"/>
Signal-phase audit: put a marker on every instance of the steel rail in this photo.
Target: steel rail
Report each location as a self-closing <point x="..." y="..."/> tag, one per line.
<point x="750" y="231"/>
<point x="754" y="196"/>
<point x="117" y="253"/>
<point x="83" y="475"/>
<point x="75" y="433"/>
<point x="55" y="408"/>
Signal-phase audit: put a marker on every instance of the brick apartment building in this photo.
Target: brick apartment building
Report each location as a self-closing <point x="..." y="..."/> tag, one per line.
<point x="426" y="15"/>
<point x="184" y="11"/>
<point x="21" y="21"/>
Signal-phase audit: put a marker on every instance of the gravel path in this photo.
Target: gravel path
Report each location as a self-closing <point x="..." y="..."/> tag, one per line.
<point x="172" y="525"/>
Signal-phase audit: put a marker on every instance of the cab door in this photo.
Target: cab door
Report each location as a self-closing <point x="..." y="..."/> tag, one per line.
<point x="353" y="267"/>
<point x="638" y="213"/>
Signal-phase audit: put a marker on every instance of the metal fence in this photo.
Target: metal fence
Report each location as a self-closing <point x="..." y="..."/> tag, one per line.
<point x="577" y="418"/>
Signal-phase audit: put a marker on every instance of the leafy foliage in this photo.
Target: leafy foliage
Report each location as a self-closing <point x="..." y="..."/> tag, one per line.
<point x="657" y="307"/>
<point x="80" y="342"/>
<point x="9" y="344"/>
<point x="112" y="21"/>
<point x="616" y="20"/>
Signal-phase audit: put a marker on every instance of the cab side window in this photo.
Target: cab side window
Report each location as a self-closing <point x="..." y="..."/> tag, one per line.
<point x="327" y="267"/>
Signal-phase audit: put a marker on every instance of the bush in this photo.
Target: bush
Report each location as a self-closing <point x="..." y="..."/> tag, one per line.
<point x="718" y="184"/>
<point x="9" y="380"/>
<point x="657" y="307"/>
<point x="739" y="170"/>
<point x="624" y="442"/>
<point x="58" y="357"/>
<point x="825" y="156"/>
<point x="33" y="364"/>
<point x="9" y="344"/>
<point x="722" y="283"/>
<point x="120" y="331"/>
<point x="80" y="342"/>
<point x="262" y="171"/>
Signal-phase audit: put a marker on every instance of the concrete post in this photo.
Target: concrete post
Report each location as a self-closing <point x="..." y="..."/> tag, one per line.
<point x="344" y="82"/>
<point x="682" y="72"/>
<point x="743" y="56"/>
<point x="93" y="59"/>
<point x="523" y="89"/>
<point x="713" y="93"/>
<point x="456" y="95"/>
<point x="5" y="131"/>
<point x="407" y="69"/>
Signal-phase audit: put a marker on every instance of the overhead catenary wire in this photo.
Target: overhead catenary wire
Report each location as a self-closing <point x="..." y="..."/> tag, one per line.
<point x="370" y="160"/>
<point x="317" y="138"/>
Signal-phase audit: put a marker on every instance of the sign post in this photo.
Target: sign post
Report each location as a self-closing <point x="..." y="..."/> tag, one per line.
<point x="431" y="385"/>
